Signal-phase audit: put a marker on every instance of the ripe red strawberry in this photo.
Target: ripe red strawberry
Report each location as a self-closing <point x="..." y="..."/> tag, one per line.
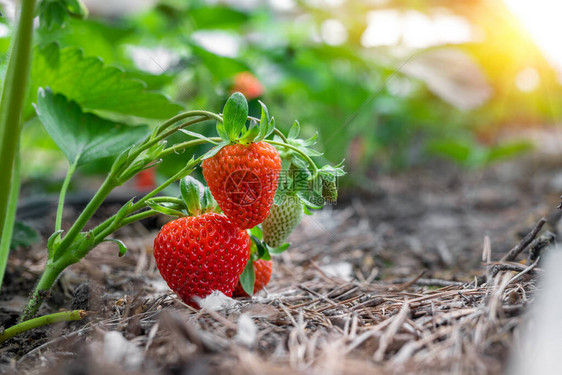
<point x="262" y="269"/>
<point x="243" y="180"/>
<point x="248" y="85"/>
<point x="199" y="254"/>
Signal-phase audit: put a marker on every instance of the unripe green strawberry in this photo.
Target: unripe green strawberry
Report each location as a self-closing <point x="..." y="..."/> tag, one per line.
<point x="199" y="254"/>
<point x="262" y="270"/>
<point x="329" y="191"/>
<point x="282" y="221"/>
<point x="243" y="180"/>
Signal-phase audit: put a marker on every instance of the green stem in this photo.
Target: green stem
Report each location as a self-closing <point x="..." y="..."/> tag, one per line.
<point x="185" y="170"/>
<point x="11" y="218"/>
<point x="168" y="200"/>
<point x="305" y="156"/>
<point x="181" y="116"/>
<point x="41" y="321"/>
<point x="161" y="134"/>
<point x="137" y="217"/>
<point x="181" y="146"/>
<point x="86" y="214"/>
<point x="50" y="274"/>
<point x="11" y="107"/>
<point x="64" y="188"/>
<point x="280" y="134"/>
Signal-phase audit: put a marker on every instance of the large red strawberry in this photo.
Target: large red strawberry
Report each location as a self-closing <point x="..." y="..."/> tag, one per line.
<point x="243" y="180"/>
<point x="262" y="270"/>
<point x="199" y="254"/>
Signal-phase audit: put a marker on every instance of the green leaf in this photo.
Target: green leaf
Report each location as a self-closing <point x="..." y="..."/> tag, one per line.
<point x="280" y="249"/>
<point x="122" y="246"/>
<point x="191" y="193"/>
<point x="23" y="235"/>
<point x="252" y="135"/>
<point x="77" y="8"/>
<point x="235" y="114"/>
<point x="248" y="278"/>
<point x="96" y="86"/>
<point x="52" y="14"/>
<point x="221" y="67"/>
<point x="256" y="232"/>
<point x="263" y="252"/>
<point x="212" y="152"/>
<point x="55" y="13"/>
<point x="295" y="130"/>
<point x="84" y="137"/>
<point x="217" y="17"/>
<point x="508" y="150"/>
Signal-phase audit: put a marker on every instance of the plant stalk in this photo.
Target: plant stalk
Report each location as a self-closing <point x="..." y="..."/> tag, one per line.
<point x="11" y="106"/>
<point x="41" y="321"/>
<point x="41" y="292"/>
<point x="11" y="218"/>
<point x="64" y="189"/>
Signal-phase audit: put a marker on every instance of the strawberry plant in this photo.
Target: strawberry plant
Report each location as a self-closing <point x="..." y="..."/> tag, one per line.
<point x="201" y="251"/>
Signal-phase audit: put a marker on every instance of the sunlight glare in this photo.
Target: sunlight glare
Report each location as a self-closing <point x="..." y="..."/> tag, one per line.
<point x="413" y="29"/>
<point x="527" y="80"/>
<point x="333" y="32"/>
<point x="541" y="18"/>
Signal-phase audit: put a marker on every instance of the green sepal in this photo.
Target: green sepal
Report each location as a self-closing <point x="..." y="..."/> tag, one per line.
<point x="164" y="210"/>
<point x="221" y="131"/>
<point x="248" y="277"/>
<point x="85" y="241"/>
<point x="329" y="170"/>
<point x="235" y="114"/>
<point x="120" y="162"/>
<point x="192" y="192"/>
<point x="267" y="123"/>
<point x="123" y="211"/>
<point x="197" y="135"/>
<point x="309" y="198"/>
<point x="77" y="8"/>
<point x="122" y="246"/>
<point x="251" y="134"/>
<point x="53" y="243"/>
<point x="306" y="210"/>
<point x="262" y="249"/>
<point x="294" y="131"/>
<point x="280" y="249"/>
<point x="208" y="202"/>
<point x="212" y="152"/>
<point x="311" y="141"/>
<point x="256" y="232"/>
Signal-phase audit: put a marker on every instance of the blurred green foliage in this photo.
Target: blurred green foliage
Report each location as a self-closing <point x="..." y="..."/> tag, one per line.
<point x="348" y="93"/>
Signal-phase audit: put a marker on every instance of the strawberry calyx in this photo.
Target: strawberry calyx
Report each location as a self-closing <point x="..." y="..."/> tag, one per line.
<point x="195" y="200"/>
<point x="233" y="128"/>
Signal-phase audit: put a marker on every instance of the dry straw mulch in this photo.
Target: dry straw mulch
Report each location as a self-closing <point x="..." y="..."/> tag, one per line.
<point x="308" y="322"/>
